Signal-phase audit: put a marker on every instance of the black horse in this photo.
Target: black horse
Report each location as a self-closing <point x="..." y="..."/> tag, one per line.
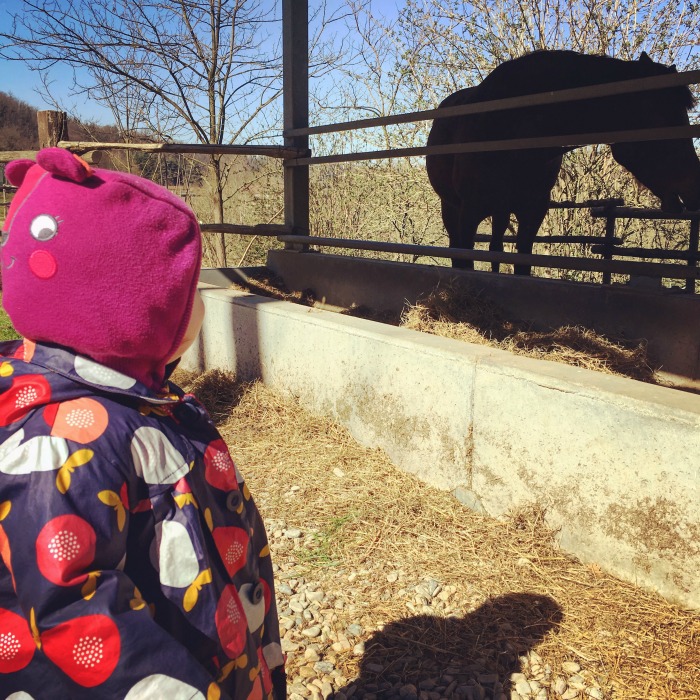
<point x="473" y="186"/>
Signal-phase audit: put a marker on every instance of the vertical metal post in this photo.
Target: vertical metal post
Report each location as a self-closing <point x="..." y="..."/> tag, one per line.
<point x="693" y="252"/>
<point x="609" y="242"/>
<point x="295" y="51"/>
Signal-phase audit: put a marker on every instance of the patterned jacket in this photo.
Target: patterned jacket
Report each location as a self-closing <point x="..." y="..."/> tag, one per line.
<point x="134" y="562"/>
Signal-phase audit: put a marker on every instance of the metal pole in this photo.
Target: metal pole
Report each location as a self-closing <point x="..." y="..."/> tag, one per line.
<point x="295" y="49"/>
<point x="609" y="243"/>
<point x="693" y="250"/>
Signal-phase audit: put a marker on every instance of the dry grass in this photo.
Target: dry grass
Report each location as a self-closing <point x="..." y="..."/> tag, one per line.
<point x="513" y="590"/>
<point x="465" y="315"/>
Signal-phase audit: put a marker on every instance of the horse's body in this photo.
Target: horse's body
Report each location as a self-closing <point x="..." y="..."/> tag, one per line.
<point x="473" y="186"/>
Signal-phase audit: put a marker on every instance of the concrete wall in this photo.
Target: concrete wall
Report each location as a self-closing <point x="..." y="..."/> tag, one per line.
<point x="668" y="320"/>
<point x="616" y="463"/>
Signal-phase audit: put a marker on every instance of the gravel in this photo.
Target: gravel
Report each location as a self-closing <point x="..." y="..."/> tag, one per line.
<point x="327" y="627"/>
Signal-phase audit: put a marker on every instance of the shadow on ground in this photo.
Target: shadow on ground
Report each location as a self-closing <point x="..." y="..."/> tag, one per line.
<point x="466" y="658"/>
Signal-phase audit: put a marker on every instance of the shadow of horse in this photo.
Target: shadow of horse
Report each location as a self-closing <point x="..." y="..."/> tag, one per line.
<point x="466" y="658"/>
<point x="474" y="186"/>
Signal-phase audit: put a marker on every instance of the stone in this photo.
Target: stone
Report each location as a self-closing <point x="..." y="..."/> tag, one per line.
<point x="312" y="632"/>
<point x="523" y="688"/>
<point x="559" y="685"/>
<point x="375" y="668"/>
<point x="595" y="693"/>
<point x="577" y="681"/>
<point x="570" y="667"/>
<point x="294" y="533"/>
<point x="289" y="646"/>
<point x="324" y="667"/>
<point x="570" y="694"/>
<point x="354" y="630"/>
<point x="311" y="655"/>
<point x="359" y="649"/>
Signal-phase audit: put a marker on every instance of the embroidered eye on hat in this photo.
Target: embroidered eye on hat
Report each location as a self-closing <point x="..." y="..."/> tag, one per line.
<point x="98" y="261"/>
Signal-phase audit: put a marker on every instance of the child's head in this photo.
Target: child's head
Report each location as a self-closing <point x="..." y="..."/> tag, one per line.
<point x="101" y="262"/>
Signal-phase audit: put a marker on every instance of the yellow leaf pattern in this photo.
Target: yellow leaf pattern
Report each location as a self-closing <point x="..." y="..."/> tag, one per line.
<point x="192" y="593"/>
<point x="77" y="459"/>
<point x="5" y="507"/>
<point x="34" y="628"/>
<point x="207" y="517"/>
<point x="111" y="498"/>
<point x="90" y="586"/>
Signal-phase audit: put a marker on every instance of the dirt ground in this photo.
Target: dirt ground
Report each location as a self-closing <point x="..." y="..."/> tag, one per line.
<point x="372" y="533"/>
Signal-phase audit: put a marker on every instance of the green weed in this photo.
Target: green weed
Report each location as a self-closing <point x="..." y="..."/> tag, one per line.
<point x="320" y="550"/>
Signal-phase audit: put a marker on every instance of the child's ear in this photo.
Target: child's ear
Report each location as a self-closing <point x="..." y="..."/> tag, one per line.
<point x="15" y="171"/>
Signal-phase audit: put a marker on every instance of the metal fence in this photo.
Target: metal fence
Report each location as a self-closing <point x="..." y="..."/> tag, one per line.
<point x="297" y="158"/>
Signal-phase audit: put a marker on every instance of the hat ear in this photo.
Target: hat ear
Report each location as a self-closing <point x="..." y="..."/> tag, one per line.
<point x="63" y="163"/>
<point x="644" y="57"/>
<point x="15" y="171"/>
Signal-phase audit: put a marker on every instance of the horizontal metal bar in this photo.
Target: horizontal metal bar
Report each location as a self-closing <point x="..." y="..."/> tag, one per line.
<point x="486" y="238"/>
<point x="566" y="141"/>
<point x="567" y="204"/>
<point x="658" y="253"/>
<point x="639" y="213"/>
<point x="243" y="230"/>
<point x="80" y="147"/>
<point x="555" y="261"/>
<point x="620" y="87"/>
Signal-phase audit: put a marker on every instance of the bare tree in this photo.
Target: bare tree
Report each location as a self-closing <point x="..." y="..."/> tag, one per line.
<point x="176" y="69"/>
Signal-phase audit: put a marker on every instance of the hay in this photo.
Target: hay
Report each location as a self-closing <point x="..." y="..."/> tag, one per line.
<point x="460" y="313"/>
<point x="376" y="520"/>
<point x="467" y="315"/>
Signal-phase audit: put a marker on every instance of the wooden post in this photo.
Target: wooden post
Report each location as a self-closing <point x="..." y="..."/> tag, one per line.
<point x="692" y="250"/>
<point x="295" y="49"/>
<point x="53" y="127"/>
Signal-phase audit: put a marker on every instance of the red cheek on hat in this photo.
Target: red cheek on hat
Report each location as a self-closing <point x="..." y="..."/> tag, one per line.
<point x="42" y="264"/>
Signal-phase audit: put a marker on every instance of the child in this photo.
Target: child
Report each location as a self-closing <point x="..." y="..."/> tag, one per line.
<point x="134" y="561"/>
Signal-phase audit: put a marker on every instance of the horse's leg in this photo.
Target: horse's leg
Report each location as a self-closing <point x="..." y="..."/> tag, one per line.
<point x="461" y="229"/>
<point x="529" y="222"/>
<point x="499" y="224"/>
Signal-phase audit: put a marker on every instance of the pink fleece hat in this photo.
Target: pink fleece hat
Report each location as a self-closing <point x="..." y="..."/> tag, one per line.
<point x="101" y="262"/>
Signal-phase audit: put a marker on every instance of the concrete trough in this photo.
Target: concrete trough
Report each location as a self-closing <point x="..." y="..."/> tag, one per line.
<point x="615" y="463"/>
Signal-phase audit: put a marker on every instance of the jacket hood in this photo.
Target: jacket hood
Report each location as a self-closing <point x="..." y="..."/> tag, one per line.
<point x="101" y="262"/>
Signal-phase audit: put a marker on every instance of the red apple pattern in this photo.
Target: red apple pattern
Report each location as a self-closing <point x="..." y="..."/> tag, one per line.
<point x="219" y="469"/>
<point x="63" y="534"/>
<point x="232" y="543"/>
<point x="231" y="623"/>
<point x="65" y="549"/>
<point x="85" y="648"/>
<point x="16" y="642"/>
<point x="26" y="392"/>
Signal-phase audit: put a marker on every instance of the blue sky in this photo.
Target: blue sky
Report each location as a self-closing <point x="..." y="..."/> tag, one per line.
<point x="25" y="84"/>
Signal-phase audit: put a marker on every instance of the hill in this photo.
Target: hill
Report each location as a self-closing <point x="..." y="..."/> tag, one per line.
<point x="18" y="130"/>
